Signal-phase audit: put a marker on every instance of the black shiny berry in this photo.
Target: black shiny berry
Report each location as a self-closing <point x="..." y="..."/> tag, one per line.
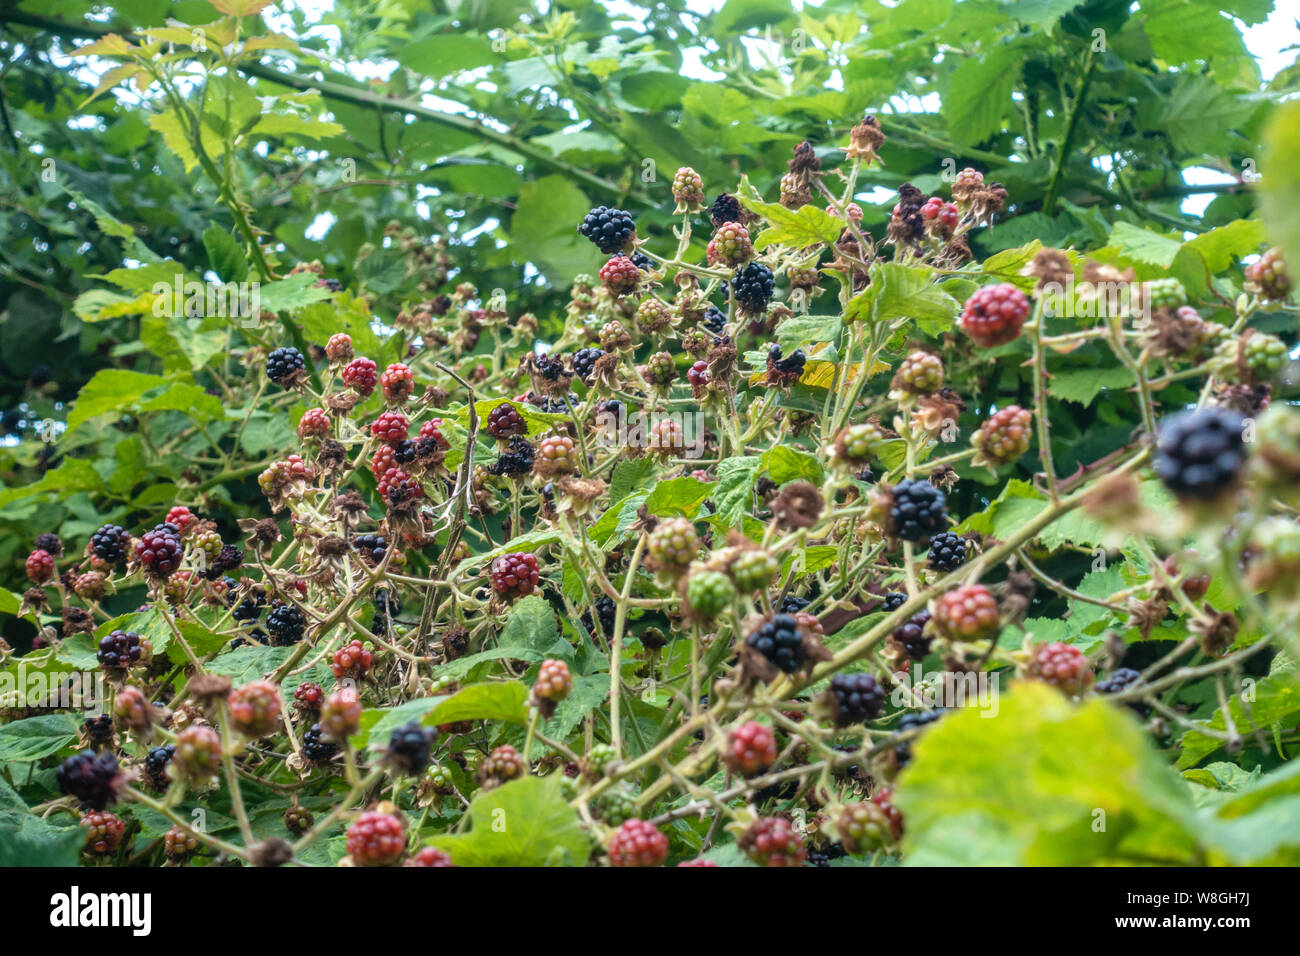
<point x="283" y="363"/>
<point x="90" y="777"/>
<point x="109" y="543"/>
<point x="315" y="748"/>
<point x="286" y="624"/>
<point x="793" y="604"/>
<point x="910" y="721"/>
<point x="1121" y="679"/>
<point x="947" y="551"/>
<point x="780" y="641"/>
<point x="1200" y="452"/>
<point x="409" y="746"/>
<point x="752" y="287"/>
<point x="155" y="765"/>
<point x="606" y="609"/>
<point x="516" y="460"/>
<point x="911" y="635"/>
<point x="919" y="510"/>
<point x="49" y="542"/>
<point x="893" y="601"/>
<point x="119" y="650"/>
<point x="715" y="320"/>
<point x="584" y="363"/>
<point x="610" y="229"/>
<point x="858" y="697"/>
<point x="371" y="547"/>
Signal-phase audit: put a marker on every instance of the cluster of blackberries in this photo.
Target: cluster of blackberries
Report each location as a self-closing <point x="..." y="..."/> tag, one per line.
<point x="919" y="510"/>
<point x="286" y="624"/>
<point x="283" y="363"/>
<point x="780" y="641"/>
<point x="610" y="229"/>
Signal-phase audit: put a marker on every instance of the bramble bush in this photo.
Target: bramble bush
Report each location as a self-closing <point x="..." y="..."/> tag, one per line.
<point x="732" y="517"/>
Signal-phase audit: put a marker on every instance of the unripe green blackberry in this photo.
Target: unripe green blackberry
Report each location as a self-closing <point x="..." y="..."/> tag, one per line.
<point x="688" y="190"/>
<point x="500" y="766"/>
<point x="1268" y="277"/>
<point x="439" y="778"/>
<point x="920" y="374"/>
<point x="709" y="593"/>
<point x="198" y="755"/>
<point x="653" y="315"/>
<point x="660" y="369"/>
<point x="205" y="546"/>
<point x="617" y="804"/>
<point x="613" y="336"/>
<point x="1264" y="354"/>
<point x="673" y="544"/>
<point x="1165" y="293"/>
<point x="752" y="570"/>
<point x="858" y="444"/>
<point x="864" y="827"/>
<point x="730" y="245"/>
<point x="598" y="758"/>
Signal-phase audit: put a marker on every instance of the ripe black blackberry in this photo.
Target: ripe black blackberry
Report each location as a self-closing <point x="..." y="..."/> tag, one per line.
<point x="110" y="542"/>
<point x="1200" y="452"/>
<point x="605" y="612"/>
<point x="155" y="765"/>
<point x="50" y="543"/>
<point x="793" y="604"/>
<point x="780" y="641"/>
<point x="858" y="697"/>
<point x="726" y="208"/>
<point x="787" y="370"/>
<point x="372" y="547"/>
<point x="919" y="510"/>
<point x="517" y="460"/>
<point x="386" y="602"/>
<point x="1121" y="679"/>
<point x="947" y="551"/>
<point x="99" y="729"/>
<point x="553" y="405"/>
<point x="283" y="363"/>
<point x="286" y="624"/>
<point x="584" y="363"/>
<point x="893" y="601"/>
<point x="409" y="746"/>
<point x="227" y="559"/>
<point x="404" y="452"/>
<point x="910" y="721"/>
<point x="822" y="856"/>
<point x="119" y="650"/>
<point x="315" y="748"/>
<point x="90" y="777"/>
<point x="249" y="608"/>
<point x="911" y="635"/>
<point x="610" y="229"/>
<point x="642" y="261"/>
<point x="715" y="320"/>
<point x="753" y="286"/>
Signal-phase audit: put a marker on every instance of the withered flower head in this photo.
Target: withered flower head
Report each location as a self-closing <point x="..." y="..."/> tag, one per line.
<point x="207" y="689"/>
<point x="1217" y="632"/>
<point x="1145" y="615"/>
<point x="865" y="140"/>
<point x="798" y="505"/>
<point x="1049" y="266"/>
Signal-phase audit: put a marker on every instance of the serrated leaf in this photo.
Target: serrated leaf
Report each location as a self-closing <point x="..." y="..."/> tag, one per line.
<point x="525" y="822"/>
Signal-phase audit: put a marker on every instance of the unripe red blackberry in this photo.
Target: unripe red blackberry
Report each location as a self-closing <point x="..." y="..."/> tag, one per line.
<point x="104" y="832"/>
<point x="179" y="845"/>
<point x="255" y="708"/>
<point x="772" y="841"/>
<point x="315" y="423"/>
<point x="751" y="749"/>
<point x="339" y="347"/>
<point x="610" y="229"/>
<point x="1268" y="277"/>
<point x="180" y="518"/>
<point x="120" y="650"/>
<point x="505" y="421"/>
<point x="340" y="715"/>
<point x="995" y="314"/>
<point x="383" y="459"/>
<point x="1004" y="437"/>
<point x="709" y="593"/>
<point x="397" y="382"/>
<point x="110" y="543"/>
<point x="1061" y="665"/>
<point x="284" y="365"/>
<point x="198" y="755"/>
<point x="637" y="843"/>
<point x="940" y="216"/>
<point x="391" y="427"/>
<point x="351" y="660"/>
<point x="698" y="375"/>
<point x="620" y="275"/>
<point x="283" y="475"/>
<point x="361" y="374"/>
<point x="554" y="682"/>
<point x="40" y="566"/>
<point x="673" y="544"/>
<point x="430" y="856"/>
<point x="967" y="613"/>
<point x="730" y="245"/>
<point x="515" y="575"/>
<point x="308" y="696"/>
<point x="92" y="778"/>
<point x="397" y="485"/>
<point x="613" y="336"/>
<point x="503" y="764"/>
<point x="376" y="839"/>
<point x="688" y="190"/>
<point x="557" y="455"/>
<point x="159" y="552"/>
<point x="660" y="369"/>
<point x="753" y="569"/>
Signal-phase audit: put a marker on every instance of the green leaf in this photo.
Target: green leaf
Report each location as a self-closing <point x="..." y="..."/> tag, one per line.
<point x="680" y="497"/>
<point x="978" y="94"/>
<point x="522" y="823"/>
<point x="1082" y="385"/>
<point x="1276" y="699"/>
<point x="292" y="292"/>
<point x="446" y="53"/>
<point x="898" y="291"/>
<point x="35" y="737"/>
<point x="1281" y="187"/>
<point x="735" y="486"/>
<point x="1142" y="245"/>
<point x="806" y="226"/>
<point x="224" y="254"/>
<point x="378" y="723"/>
<point x="783" y="463"/>
<point x="531" y="626"/>
<point x="27" y="840"/>
<point x="503" y="700"/>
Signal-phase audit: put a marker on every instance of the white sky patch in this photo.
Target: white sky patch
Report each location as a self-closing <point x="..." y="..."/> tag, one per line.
<point x="320" y="226"/>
